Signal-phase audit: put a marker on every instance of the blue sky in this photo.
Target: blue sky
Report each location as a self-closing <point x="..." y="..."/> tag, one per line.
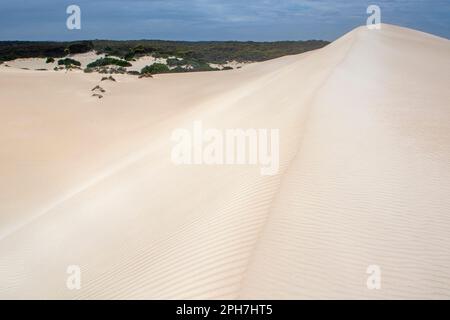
<point x="258" y="20"/>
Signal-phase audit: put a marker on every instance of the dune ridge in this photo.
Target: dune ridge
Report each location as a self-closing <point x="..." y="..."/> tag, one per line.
<point x="364" y="179"/>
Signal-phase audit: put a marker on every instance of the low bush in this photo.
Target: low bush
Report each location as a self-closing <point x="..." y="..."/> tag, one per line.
<point x="129" y="56"/>
<point x="155" y="68"/>
<point x="134" y="73"/>
<point x="174" y="62"/>
<point x="107" y="62"/>
<point x="68" y="62"/>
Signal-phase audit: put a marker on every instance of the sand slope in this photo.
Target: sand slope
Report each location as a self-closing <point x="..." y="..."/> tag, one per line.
<point x="364" y="180"/>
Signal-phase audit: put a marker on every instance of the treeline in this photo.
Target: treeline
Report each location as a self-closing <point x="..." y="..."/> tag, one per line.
<point x="199" y="52"/>
<point x="10" y="50"/>
<point x="207" y="51"/>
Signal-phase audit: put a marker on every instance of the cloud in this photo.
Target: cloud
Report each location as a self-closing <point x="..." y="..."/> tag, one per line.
<point x="213" y="19"/>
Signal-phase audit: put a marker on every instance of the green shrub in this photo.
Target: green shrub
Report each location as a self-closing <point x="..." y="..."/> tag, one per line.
<point x="50" y="60"/>
<point x="134" y="73"/>
<point x="155" y="68"/>
<point x="139" y="49"/>
<point x="69" y="62"/>
<point x="129" y="56"/>
<point x="174" y="62"/>
<point x="107" y="62"/>
<point x="160" y="55"/>
<point x="179" y="69"/>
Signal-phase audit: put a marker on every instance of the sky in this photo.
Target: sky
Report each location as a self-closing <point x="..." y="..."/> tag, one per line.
<point x="198" y="20"/>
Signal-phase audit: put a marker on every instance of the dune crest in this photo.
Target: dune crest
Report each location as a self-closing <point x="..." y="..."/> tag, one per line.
<point x="364" y="179"/>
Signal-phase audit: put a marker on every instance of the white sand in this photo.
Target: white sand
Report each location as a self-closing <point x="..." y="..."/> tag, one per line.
<point x="365" y="178"/>
<point x="31" y="64"/>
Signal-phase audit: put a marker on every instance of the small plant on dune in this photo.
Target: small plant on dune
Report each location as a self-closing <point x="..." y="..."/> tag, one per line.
<point x="145" y="75"/>
<point x="133" y="73"/>
<point x="98" y="88"/>
<point x="107" y="62"/>
<point x="50" y="60"/>
<point x="155" y="68"/>
<point x="110" y="78"/>
<point x="97" y="95"/>
<point x="68" y="63"/>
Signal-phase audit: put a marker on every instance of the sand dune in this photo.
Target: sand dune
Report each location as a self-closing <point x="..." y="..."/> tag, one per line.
<point x="364" y="179"/>
<point x="40" y="64"/>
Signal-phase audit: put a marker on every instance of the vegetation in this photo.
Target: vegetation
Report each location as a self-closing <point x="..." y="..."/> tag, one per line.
<point x="174" y="62"/>
<point x="10" y="50"/>
<point x="129" y="56"/>
<point x="208" y="51"/>
<point x="107" y="70"/>
<point x="108" y="61"/>
<point x="68" y="62"/>
<point x="134" y="73"/>
<point x="181" y="56"/>
<point x="189" y="64"/>
<point x="155" y="68"/>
